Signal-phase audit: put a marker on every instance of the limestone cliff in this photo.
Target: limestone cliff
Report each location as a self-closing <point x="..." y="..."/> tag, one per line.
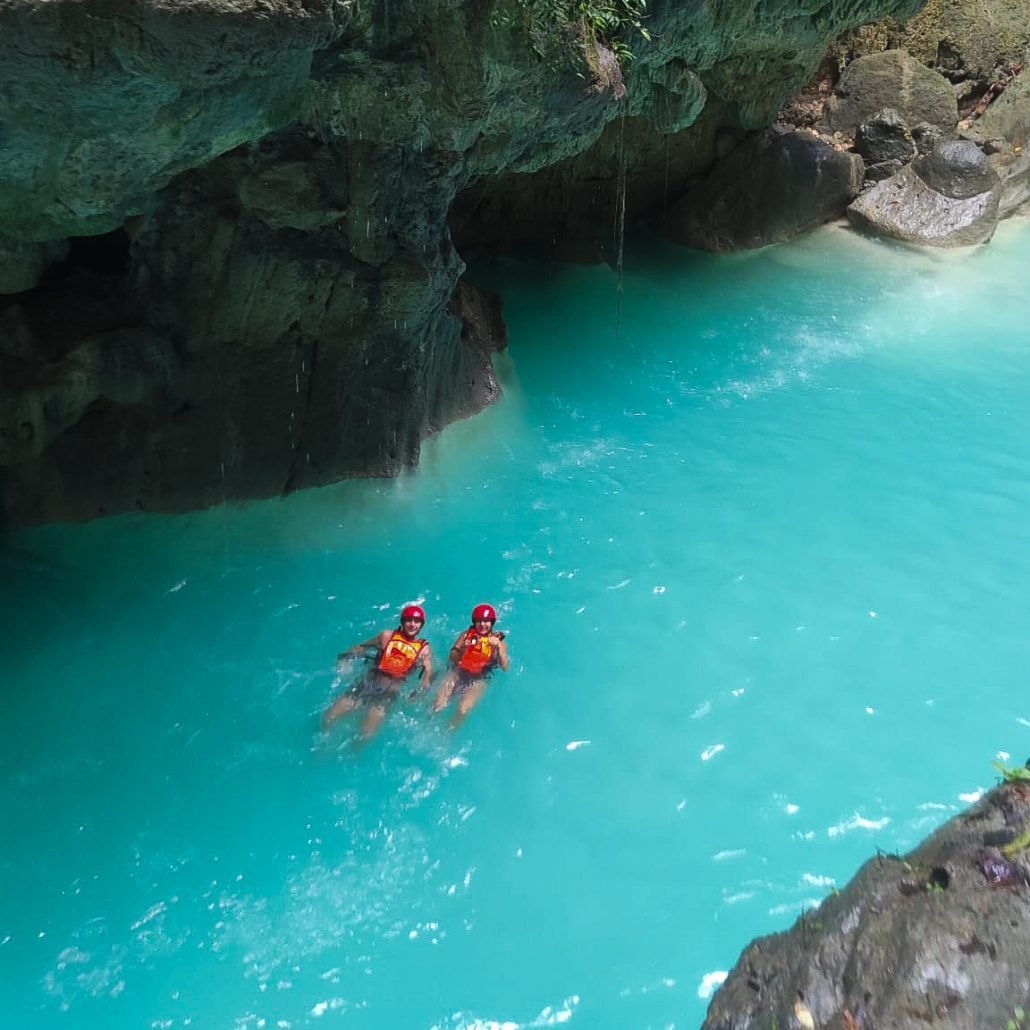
<point x="936" y="938"/>
<point x="225" y="243"/>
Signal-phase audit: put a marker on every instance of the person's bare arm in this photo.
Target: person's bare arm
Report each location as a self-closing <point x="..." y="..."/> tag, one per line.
<point x="425" y="673"/>
<point x="457" y="648"/>
<point x="497" y="639"/>
<point x="378" y="642"/>
<point x="427" y="667"/>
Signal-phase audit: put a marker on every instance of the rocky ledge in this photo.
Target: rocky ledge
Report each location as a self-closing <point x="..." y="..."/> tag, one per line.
<point x="936" y="938"/>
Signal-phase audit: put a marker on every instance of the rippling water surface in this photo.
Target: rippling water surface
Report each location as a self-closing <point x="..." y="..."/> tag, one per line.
<point x="763" y="560"/>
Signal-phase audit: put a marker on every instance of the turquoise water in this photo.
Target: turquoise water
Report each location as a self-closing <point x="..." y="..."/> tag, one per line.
<point x="763" y="564"/>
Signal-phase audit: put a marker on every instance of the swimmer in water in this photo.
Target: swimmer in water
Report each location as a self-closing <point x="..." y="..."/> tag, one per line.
<point x="474" y="656"/>
<point x="399" y="653"/>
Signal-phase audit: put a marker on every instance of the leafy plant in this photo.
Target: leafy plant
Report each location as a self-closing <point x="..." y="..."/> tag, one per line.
<point x="1021" y="843"/>
<point x="1012" y="774"/>
<point x="1018" y="1019"/>
<point x="555" y="27"/>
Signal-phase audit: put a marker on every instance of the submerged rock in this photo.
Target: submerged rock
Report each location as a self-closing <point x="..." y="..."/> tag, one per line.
<point x="939" y="937"/>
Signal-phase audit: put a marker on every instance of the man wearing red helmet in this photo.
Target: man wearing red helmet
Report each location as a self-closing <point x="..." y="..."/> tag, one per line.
<point x="475" y="654"/>
<point x="399" y="652"/>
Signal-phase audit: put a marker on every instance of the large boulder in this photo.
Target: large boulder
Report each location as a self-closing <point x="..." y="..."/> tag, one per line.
<point x="1009" y="116"/>
<point x="939" y="937"/>
<point x="957" y="169"/>
<point x="891" y="79"/>
<point x="1014" y="168"/>
<point x="948" y="199"/>
<point x="885" y="137"/>
<point x="772" y="187"/>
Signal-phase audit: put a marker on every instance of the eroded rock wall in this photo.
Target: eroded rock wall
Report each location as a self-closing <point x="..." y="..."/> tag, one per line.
<point x="240" y="208"/>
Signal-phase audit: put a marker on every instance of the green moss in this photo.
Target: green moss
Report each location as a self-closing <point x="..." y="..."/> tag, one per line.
<point x="1021" y="843"/>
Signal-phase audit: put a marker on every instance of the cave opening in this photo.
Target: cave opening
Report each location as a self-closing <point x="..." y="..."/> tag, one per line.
<point x="107" y="255"/>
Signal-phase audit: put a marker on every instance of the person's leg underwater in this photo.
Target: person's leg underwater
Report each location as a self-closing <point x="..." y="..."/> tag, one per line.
<point x="470" y="697"/>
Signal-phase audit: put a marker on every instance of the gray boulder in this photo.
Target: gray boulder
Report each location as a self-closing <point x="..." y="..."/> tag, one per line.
<point x="891" y="79"/>
<point x="769" y="189"/>
<point x="882" y="170"/>
<point x="957" y="169"/>
<point x="926" y="137"/>
<point x="938" y="938"/>
<point x="884" y="137"/>
<point x="1014" y="169"/>
<point x="948" y="199"/>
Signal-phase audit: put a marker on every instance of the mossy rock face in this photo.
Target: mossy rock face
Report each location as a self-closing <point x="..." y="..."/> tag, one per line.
<point x="974" y="36"/>
<point x="1009" y="116"/>
<point x="100" y="110"/>
<point x="891" y="79"/>
<point x="970" y="37"/>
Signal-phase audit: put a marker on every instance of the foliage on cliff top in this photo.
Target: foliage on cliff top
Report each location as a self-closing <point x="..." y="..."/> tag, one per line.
<point x="554" y="27"/>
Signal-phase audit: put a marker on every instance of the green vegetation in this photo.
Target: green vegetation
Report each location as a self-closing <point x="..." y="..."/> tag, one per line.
<point x="1012" y="774"/>
<point x="1018" y="1020"/>
<point x="554" y="28"/>
<point x="1021" y="843"/>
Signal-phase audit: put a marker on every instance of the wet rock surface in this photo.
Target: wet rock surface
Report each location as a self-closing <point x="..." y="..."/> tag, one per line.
<point x="939" y="937"/>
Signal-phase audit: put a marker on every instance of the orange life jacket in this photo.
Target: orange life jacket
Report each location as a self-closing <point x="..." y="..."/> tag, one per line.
<point x="479" y="653"/>
<point x="399" y="655"/>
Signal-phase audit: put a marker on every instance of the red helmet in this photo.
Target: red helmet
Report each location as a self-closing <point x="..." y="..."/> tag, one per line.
<point x="413" y="611"/>
<point x="484" y="611"/>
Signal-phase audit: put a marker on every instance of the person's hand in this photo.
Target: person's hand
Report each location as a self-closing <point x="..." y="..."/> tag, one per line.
<point x="495" y="639"/>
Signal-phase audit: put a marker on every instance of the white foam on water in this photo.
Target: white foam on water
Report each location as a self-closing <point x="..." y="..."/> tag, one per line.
<point x="709" y="982"/>
<point x="857" y="822"/>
